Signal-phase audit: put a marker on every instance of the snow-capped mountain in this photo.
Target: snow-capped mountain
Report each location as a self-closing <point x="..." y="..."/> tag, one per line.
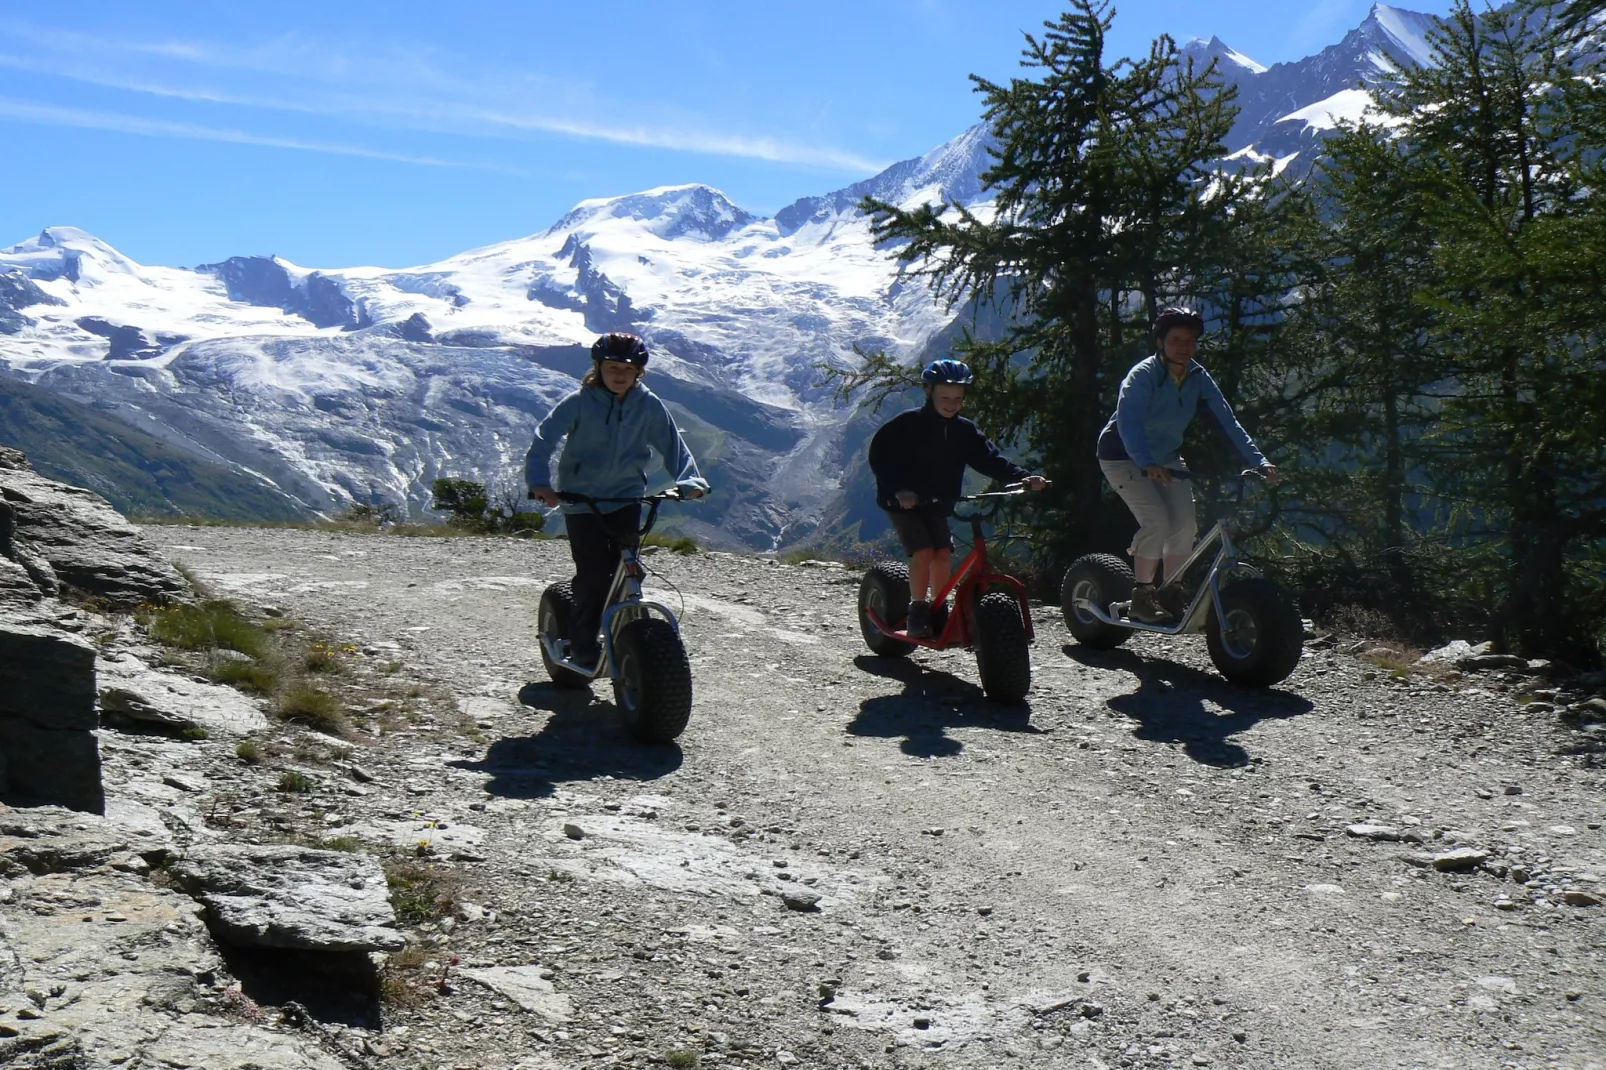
<point x="363" y="385"/>
<point x="1286" y="110"/>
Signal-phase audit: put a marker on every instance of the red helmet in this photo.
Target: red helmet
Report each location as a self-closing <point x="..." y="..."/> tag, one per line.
<point x="618" y="345"/>
<point x="1177" y="317"/>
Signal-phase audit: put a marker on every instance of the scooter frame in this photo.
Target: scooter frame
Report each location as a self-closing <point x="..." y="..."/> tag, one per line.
<point x="624" y="594"/>
<point x="1194" y="618"/>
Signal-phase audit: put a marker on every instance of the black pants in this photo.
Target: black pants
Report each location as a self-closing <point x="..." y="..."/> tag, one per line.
<point x="594" y="543"/>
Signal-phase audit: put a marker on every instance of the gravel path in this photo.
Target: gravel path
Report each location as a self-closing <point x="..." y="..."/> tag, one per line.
<point x="1140" y="866"/>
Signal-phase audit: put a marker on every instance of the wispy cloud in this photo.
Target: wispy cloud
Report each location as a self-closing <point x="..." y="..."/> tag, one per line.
<point x="54" y="115"/>
<point x="402" y="89"/>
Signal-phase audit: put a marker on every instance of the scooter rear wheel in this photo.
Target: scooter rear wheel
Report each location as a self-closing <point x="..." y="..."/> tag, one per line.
<point x="557" y="609"/>
<point x="1099" y="579"/>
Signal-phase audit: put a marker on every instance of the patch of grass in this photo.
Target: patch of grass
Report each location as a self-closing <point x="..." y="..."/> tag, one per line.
<point x="195" y="733"/>
<point x="1398" y="658"/>
<point x="215" y="624"/>
<point x="260" y="676"/>
<point x="680" y="544"/>
<point x="681" y="1059"/>
<point x="559" y="876"/>
<point x="395" y="984"/>
<point x="348" y="844"/>
<point x="303" y="703"/>
<point x="190" y="578"/>
<point x="322" y="658"/>
<point x="294" y="782"/>
<point x="250" y="752"/>
<point x="420" y="891"/>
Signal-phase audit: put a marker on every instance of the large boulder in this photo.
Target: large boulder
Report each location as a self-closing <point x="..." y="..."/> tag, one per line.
<point x="73" y="537"/>
<point x="47" y="719"/>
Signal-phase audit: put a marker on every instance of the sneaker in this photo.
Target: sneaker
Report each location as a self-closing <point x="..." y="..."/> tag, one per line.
<point x="1173" y="598"/>
<point x="1146" y="607"/>
<point x="919" y="625"/>
<point x="586" y="656"/>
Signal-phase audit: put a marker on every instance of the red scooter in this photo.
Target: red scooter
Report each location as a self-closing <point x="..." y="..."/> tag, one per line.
<point x="990" y="611"/>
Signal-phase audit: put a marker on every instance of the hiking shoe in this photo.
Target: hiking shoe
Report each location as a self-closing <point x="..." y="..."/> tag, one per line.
<point x="1173" y="598"/>
<point x="1146" y="607"/>
<point x="939" y="617"/>
<point x="919" y="625"/>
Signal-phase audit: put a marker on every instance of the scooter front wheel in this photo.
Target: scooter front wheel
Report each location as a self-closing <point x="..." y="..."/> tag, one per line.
<point x="653" y="685"/>
<point x="1257" y="638"/>
<point x="884" y="591"/>
<point x="1003" y="655"/>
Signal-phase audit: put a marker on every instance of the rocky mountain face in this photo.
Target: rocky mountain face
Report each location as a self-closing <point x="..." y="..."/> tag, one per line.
<point x="332" y="387"/>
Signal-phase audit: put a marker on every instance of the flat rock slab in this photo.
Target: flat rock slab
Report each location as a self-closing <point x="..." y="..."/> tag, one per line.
<point x="116" y="966"/>
<point x="1387" y="833"/>
<point x="133" y="692"/>
<point x="291" y="897"/>
<point x="525" y="986"/>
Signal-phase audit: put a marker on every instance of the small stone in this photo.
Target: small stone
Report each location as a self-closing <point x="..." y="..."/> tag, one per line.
<point x="1093" y="1010"/>
<point x="1577" y="897"/>
<point x="573" y="831"/>
<point x="1512" y="789"/>
<point x="1460" y="859"/>
<point x="363" y="776"/>
<point x="1374" y="832"/>
<point x="922" y="1023"/>
<point x="184" y="783"/>
<point x="1240" y="1036"/>
<point x="801" y="901"/>
<point x="1520" y="874"/>
<point x="984" y="911"/>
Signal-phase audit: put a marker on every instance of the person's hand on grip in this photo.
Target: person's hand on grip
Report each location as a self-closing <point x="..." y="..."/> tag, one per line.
<point x="907" y="498"/>
<point x="545" y="495"/>
<point x="1158" y="473"/>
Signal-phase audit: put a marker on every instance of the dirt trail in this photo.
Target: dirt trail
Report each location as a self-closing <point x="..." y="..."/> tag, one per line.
<point x="1141" y="866"/>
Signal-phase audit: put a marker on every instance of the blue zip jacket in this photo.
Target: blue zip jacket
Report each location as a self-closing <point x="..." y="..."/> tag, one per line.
<point x="608" y="445"/>
<point x="1154" y="412"/>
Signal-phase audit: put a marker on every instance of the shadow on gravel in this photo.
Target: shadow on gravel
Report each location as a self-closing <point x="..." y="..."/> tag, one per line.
<point x="932" y="702"/>
<point x="1169" y="705"/>
<point x="584" y="739"/>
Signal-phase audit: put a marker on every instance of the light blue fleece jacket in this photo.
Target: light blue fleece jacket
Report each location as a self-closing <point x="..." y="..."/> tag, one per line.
<point x="608" y="443"/>
<point x="1154" y="411"/>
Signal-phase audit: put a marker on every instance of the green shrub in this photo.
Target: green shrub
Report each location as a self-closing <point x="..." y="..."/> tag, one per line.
<point x="249" y="751"/>
<point x="681" y="1059"/>
<point x="294" y="782"/>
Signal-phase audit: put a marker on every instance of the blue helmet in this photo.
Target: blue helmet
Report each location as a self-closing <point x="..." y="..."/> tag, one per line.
<point x="947" y="371"/>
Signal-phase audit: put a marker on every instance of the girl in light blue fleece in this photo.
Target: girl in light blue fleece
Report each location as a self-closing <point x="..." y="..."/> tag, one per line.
<point x="1140" y="447"/>
<point x="610" y="428"/>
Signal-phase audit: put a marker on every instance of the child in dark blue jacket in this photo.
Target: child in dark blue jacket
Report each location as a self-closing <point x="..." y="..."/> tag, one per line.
<point x="611" y="427"/>
<point x="919" y="459"/>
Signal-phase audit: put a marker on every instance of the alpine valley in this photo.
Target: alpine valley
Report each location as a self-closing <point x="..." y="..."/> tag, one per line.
<point x="257" y="388"/>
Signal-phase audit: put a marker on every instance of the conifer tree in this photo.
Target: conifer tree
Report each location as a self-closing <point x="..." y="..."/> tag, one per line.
<point x="1102" y="186"/>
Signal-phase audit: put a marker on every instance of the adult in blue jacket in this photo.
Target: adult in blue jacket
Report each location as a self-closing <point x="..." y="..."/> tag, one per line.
<point x="610" y="428"/>
<point x="1141" y="444"/>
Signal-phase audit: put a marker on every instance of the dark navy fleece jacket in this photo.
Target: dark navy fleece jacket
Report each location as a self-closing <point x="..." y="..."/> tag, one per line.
<point x="921" y="451"/>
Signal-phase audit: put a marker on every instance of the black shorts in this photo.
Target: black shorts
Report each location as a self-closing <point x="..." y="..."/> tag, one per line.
<point x="924" y="528"/>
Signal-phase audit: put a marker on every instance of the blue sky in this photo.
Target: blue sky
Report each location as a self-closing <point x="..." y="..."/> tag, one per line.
<point x="395" y="132"/>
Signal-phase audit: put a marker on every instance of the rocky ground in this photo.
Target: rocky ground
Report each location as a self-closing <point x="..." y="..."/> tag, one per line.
<point x="852" y="862"/>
